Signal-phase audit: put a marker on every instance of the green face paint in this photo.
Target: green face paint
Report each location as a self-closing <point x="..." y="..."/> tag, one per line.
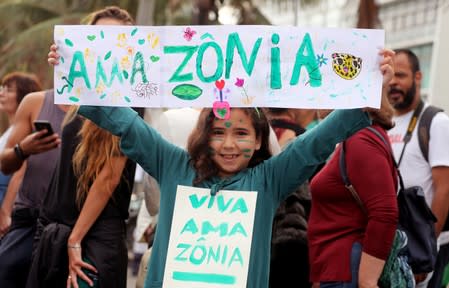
<point x="216" y="139"/>
<point x="245" y="141"/>
<point x="249" y="151"/>
<point x="228" y="124"/>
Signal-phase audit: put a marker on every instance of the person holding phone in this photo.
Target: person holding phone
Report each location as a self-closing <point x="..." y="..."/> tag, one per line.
<point x="34" y="156"/>
<point x="13" y="88"/>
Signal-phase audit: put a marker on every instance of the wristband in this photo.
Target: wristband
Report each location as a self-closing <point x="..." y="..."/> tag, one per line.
<point x="74" y="246"/>
<point x="19" y="152"/>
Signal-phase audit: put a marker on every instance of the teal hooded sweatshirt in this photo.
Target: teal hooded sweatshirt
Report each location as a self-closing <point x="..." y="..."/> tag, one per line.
<point x="274" y="179"/>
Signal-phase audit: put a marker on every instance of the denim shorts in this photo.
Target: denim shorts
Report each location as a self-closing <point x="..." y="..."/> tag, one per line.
<point x="356" y="254"/>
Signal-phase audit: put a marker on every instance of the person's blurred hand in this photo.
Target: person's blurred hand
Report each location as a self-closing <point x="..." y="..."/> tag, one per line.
<point x="53" y="56"/>
<point x="5" y="222"/>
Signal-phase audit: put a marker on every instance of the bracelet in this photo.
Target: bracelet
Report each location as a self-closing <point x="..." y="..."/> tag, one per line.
<point x="19" y="152"/>
<point x="74" y="246"/>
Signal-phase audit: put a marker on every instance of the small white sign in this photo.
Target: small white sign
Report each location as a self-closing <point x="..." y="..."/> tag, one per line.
<point x="210" y="239"/>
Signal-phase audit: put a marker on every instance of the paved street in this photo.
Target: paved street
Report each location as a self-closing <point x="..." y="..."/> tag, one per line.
<point x="131" y="283"/>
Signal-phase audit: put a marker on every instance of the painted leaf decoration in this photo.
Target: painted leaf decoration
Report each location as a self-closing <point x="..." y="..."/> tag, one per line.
<point x="68" y="42"/>
<point x="154" y="58"/>
<point x="134" y="32"/>
<point x="108" y="55"/>
<point x="187" y="91"/>
<point x="74" y="99"/>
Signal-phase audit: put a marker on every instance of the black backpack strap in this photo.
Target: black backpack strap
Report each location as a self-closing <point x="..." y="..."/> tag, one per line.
<point x="424" y="129"/>
<point x="344" y="175"/>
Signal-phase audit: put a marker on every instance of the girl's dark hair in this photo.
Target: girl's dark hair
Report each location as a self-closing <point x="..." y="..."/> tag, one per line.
<point x="25" y="83"/>
<point x="198" y="143"/>
<point x="113" y="12"/>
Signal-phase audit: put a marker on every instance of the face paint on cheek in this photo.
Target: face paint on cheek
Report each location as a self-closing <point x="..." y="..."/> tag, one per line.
<point x="228" y="124"/>
<point x="245" y="141"/>
<point x="248" y="153"/>
<point x="216" y="139"/>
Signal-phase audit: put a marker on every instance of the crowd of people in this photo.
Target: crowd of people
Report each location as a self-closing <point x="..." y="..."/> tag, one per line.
<point x="65" y="196"/>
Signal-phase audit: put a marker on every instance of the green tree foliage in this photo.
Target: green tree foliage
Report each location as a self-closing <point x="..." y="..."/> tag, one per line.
<point x="26" y="30"/>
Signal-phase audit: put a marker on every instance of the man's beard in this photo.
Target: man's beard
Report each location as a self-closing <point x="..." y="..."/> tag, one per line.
<point x="407" y="101"/>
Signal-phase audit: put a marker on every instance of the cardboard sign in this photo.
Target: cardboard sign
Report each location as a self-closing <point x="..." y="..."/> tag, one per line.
<point x="210" y="239"/>
<point x="218" y="66"/>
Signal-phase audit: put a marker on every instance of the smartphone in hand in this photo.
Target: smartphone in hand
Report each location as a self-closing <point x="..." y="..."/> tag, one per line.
<point x="43" y="124"/>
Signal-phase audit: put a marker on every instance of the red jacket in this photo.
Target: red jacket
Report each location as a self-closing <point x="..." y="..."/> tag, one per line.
<point x="336" y="221"/>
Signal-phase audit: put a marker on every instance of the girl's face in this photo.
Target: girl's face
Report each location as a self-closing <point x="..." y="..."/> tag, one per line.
<point x="8" y="98"/>
<point x="233" y="142"/>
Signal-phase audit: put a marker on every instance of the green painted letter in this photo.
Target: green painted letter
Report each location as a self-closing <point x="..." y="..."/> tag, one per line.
<point x="199" y="62"/>
<point x="101" y="75"/>
<point x="207" y="228"/>
<point x="189" y="50"/>
<point x="238" y="228"/>
<point x="309" y="61"/>
<point x="140" y="68"/>
<point x="190" y="227"/>
<point x="275" y="76"/>
<point x="240" y="205"/>
<point x="234" y="42"/>
<point x="236" y="257"/>
<point x="197" y="202"/>
<point x="78" y="58"/>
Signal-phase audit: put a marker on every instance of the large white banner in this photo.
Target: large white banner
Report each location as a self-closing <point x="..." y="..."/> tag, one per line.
<point x="218" y="66"/>
<point x="210" y="239"/>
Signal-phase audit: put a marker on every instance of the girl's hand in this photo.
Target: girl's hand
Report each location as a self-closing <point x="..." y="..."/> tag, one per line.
<point x="386" y="66"/>
<point x="387" y="70"/>
<point x="75" y="265"/>
<point x="53" y="56"/>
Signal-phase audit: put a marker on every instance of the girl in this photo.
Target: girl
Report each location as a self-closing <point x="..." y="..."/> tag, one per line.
<point x="90" y="192"/>
<point x="228" y="155"/>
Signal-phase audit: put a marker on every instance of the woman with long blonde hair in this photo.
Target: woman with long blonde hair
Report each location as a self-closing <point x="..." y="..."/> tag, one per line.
<point x="84" y="212"/>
